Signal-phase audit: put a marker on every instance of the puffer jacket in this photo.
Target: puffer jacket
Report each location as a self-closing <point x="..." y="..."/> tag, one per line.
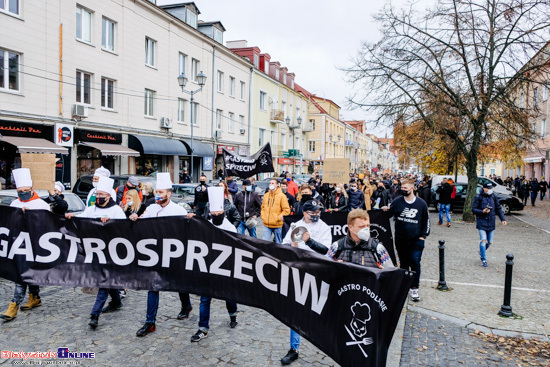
<point x="274" y="204"/>
<point x="230" y="210"/>
<point x="486" y="221"/>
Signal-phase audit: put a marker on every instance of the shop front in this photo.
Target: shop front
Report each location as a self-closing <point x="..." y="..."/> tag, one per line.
<point x="96" y="149"/>
<point x="203" y="159"/>
<point x="19" y="139"/>
<point x="219" y="156"/>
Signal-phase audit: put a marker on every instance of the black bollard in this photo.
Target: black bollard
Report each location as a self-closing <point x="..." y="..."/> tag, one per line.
<point x="442" y="284"/>
<point x="506" y="309"/>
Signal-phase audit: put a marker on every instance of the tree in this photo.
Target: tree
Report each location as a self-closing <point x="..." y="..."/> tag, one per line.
<point x="457" y="68"/>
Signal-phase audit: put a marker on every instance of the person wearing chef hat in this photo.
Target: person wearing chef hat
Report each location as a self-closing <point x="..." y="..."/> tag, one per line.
<point x="57" y="200"/>
<point x="27" y="199"/>
<point x="105" y="208"/>
<point x="215" y="202"/>
<point x="100" y="172"/>
<point x="163" y="207"/>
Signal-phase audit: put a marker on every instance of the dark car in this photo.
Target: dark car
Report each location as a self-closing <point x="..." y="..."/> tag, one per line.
<point x="508" y="202"/>
<point x="76" y="205"/>
<point x="84" y="184"/>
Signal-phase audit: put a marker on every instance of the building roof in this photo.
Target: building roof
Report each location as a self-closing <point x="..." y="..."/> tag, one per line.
<point x="309" y="96"/>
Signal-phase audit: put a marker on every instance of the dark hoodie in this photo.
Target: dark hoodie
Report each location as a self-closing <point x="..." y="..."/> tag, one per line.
<point x="445" y="191"/>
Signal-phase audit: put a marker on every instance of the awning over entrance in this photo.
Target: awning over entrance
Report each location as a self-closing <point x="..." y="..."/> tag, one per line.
<point x="112" y="149"/>
<point x="33" y="145"/>
<point x="200" y="149"/>
<point x="154" y="145"/>
<point x="533" y="159"/>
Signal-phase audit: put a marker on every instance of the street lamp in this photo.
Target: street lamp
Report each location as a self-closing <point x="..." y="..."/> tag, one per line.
<point x="201" y="81"/>
<point x="293" y="128"/>
<point x="334" y="142"/>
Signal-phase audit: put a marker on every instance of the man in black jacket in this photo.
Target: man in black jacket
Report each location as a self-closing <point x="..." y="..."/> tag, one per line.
<point x="424" y="192"/>
<point x="57" y="200"/>
<point x="412" y="226"/>
<point x="249" y="206"/>
<point x="445" y="191"/>
<point x="201" y="197"/>
<point x="380" y="197"/>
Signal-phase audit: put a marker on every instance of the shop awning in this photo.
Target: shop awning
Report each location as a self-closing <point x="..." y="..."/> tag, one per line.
<point x="155" y="145"/>
<point x="112" y="149"/>
<point x="533" y="159"/>
<point x="200" y="149"/>
<point x="33" y="145"/>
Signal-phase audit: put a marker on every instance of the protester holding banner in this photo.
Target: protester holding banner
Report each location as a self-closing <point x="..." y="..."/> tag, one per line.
<point x="201" y="196"/>
<point x="249" y="207"/>
<point x="100" y="172"/>
<point x="27" y="199"/>
<point x="105" y="208"/>
<point x="133" y="204"/>
<point x="216" y="203"/>
<point x="230" y="210"/>
<point x="164" y="207"/>
<point x="56" y="199"/>
<point x="317" y="237"/>
<point x="148" y="194"/>
<point x="356" y="196"/>
<point x="412" y="226"/>
<point x="338" y="202"/>
<point x="274" y="208"/>
<point x="303" y="196"/>
<point x="132" y="184"/>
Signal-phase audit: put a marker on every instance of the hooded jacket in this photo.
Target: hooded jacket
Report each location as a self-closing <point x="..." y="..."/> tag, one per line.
<point x="274" y="204"/>
<point x="486" y="221"/>
<point x="356" y="199"/>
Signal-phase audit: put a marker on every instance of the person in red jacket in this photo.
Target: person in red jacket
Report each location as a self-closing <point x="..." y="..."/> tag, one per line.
<point x="292" y="186"/>
<point x="453" y="194"/>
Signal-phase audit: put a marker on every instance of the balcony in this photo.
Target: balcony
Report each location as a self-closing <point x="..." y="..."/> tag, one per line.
<point x="277" y="116"/>
<point x="308" y="127"/>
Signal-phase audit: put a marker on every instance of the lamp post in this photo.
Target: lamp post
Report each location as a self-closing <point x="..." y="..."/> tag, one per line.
<point x="293" y="128"/>
<point x="201" y="81"/>
<point x="334" y="142"/>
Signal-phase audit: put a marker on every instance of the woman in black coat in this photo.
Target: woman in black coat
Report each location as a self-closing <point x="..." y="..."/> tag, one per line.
<point x="524" y="192"/>
<point x="338" y="201"/>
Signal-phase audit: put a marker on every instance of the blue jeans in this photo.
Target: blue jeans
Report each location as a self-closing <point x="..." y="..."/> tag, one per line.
<point x="485" y="240"/>
<point x="277" y="232"/>
<point x="444" y="208"/>
<point x="153" y="304"/>
<point x="294" y="340"/>
<point x="251" y="231"/>
<point x="204" y="312"/>
<point x="21" y="289"/>
<point x="102" y="295"/>
<point x="410" y="255"/>
<point x="533" y="197"/>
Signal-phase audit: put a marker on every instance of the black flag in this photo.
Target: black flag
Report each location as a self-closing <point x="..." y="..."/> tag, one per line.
<point x="245" y="167"/>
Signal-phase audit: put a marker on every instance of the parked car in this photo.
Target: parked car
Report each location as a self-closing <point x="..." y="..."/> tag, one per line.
<point x="301" y="179"/>
<point x="508" y="202"/>
<point x="76" y="205"/>
<point x="481" y="180"/>
<point x="184" y="195"/>
<point x="84" y="184"/>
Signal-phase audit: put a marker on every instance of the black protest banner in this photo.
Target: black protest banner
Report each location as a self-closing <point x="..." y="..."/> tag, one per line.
<point x="380" y="227"/>
<point x="350" y="312"/>
<point x="245" y="167"/>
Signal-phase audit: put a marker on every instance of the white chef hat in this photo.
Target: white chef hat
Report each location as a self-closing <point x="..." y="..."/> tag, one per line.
<point x="215" y="198"/>
<point x="163" y="181"/>
<point x="22" y="177"/>
<point x="105" y="184"/>
<point x="59" y="186"/>
<point x="102" y="172"/>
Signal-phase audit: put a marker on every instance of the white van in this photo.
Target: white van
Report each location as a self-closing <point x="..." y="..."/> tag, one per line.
<point x="436" y="180"/>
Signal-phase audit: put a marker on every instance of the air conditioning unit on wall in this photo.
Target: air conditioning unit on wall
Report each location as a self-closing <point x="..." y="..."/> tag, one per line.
<point x="218" y="134"/>
<point x="165" y="123"/>
<point x="242" y="131"/>
<point x="80" y="111"/>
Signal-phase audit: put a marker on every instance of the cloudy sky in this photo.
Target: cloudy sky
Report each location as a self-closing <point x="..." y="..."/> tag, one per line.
<point x="311" y="38"/>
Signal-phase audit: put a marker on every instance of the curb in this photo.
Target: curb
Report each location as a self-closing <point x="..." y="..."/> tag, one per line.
<point x="473" y="326"/>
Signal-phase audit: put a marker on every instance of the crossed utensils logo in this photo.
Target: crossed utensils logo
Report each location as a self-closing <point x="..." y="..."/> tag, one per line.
<point x="358" y="326"/>
<point x="264" y="158"/>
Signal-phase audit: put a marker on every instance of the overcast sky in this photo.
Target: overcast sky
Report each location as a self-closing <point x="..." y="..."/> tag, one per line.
<point x="312" y="38"/>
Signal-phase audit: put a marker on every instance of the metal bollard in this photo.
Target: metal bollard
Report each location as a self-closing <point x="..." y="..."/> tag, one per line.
<point x="506" y="309"/>
<point x="442" y="284"/>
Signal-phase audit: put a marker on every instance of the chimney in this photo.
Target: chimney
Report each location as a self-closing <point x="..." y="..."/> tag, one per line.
<point x="237" y="44"/>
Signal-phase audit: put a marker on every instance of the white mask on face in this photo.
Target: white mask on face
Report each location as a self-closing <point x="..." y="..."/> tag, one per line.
<point x="94" y="184"/>
<point x="364" y="234"/>
<point x="272" y="187"/>
<point x="490" y="192"/>
<point x="338" y="189"/>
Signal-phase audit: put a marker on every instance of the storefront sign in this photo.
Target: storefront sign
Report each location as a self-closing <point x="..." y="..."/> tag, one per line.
<point x="98" y="136"/>
<point x="207" y="163"/>
<point x="284" y="161"/>
<point x="63" y="135"/>
<point x="9" y="128"/>
<point x="227" y="147"/>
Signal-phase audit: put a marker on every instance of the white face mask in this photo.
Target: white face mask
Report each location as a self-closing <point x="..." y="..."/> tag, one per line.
<point x="129" y="203"/>
<point x="364" y="234"/>
<point x="338" y="189"/>
<point x="94" y="184"/>
<point x="272" y="187"/>
<point x="490" y="192"/>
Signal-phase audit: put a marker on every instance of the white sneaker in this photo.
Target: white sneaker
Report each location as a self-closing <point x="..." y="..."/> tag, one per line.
<point x="414" y="295"/>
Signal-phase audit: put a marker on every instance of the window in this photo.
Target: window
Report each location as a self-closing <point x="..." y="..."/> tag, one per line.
<point x="194" y="113"/>
<point x="181" y="109"/>
<point x="191" y="18"/>
<point x="232" y="86"/>
<point x="218" y="35"/>
<point x="261" y="137"/>
<point x="83" y="24"/>
<point x="266" y="66"/>
<point x="230" y="118"/>
<point x="195" y="66"/>
<point x="220" y="81"/>
<point x="535" y="96"/>
<point x="543" y="129"/>
<point x="219" y="116"/>
<point x="272" y="139"/>
<point x="256" y="61"/>
<point x="241" y="121"/>
<point x="284" y="79"/>
<point x="9" y="6"/>
<point x="150" y="46"/>
<point x="493" y="171"/>
<point x="107" y="92"/>
<point x="107" y="34"/>
<point x="283" y="107"/>
<point x="83" y="85"/>
<point x="311" y="147"/>
<point x="149" y="98"/>
<point x="277" y="74"/>
<point x="182" y="59"/>
<point x="283" y="141"/>
<point x="9" y="70"/>
<point x="263" y="100"/>
<point x="545" y="92"/>
<point x="242" y="91"/>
